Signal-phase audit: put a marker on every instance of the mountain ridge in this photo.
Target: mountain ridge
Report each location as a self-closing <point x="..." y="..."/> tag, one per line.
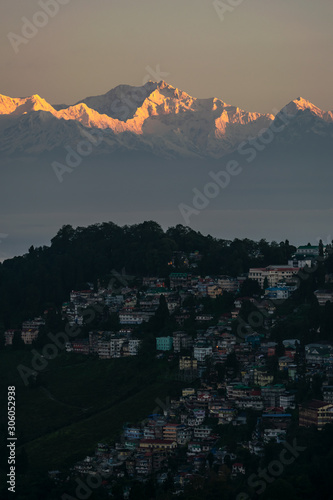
<point x="155" y="116"/>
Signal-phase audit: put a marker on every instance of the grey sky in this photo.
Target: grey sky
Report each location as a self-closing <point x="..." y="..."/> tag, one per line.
<point x="262" y="55"/>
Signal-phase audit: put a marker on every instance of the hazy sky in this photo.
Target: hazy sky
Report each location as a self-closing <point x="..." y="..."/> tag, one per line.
<point x="263" y="54"/>
<point x="256" y="54"/>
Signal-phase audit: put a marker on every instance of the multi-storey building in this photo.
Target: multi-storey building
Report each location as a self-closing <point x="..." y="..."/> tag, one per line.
<point x="287" y="400"/>
<point x="236" y="390"/>
<point x="262" y="377"/>
<point x="9" y="335"/>
<point x="33" y="324"/>
<point x="170" y="431"/>
<point x="315" y="412"/>
<point x="201" y="352"/>
<point x="182" y="340"/>
<point x="307" y="251"/>
<point x="133" y="346"/>
<point x="29" y="335"/>
<point x="158" y="444"/>
<point x="278" y="292"/>
<point x="188" y="363"/>
<point x="189" y="391"/>
<point x="228" y="284"/>
<point x="133" y="433"/>
<point x="179" y="280"/>
<point x="116" y="345"/>
<point x="202" y="432"/>
<point x="184" y="435"/>
<point x="81" y="346"/>
<point x="214" y="290"/>
<point x="324" y="296"/>
<point x="103" y="349"/>
<point x="274" y="274"/>
<point x="130" y="317"/>
<point x="144" y="464"/>
<point x="321" y="354"/>
<point x="164" y="343"/>
<point x="328" y="393"/>
<point x="271" y="394"/>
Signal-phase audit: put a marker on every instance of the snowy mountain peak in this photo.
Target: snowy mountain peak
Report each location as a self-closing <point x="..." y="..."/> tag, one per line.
<point x="161" y="84"/>
<point x="155" y="115"/>
<point x="20" y="106"/>
<point x="303" y="105"/>
<point x="170" y="91"/>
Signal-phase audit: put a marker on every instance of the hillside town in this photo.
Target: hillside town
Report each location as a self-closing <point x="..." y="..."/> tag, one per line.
<point x="233" y="373"/>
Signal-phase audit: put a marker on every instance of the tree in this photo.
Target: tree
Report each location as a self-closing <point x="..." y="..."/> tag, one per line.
<point x="210" y="459"/>
<point x="18" y="343"/>
<point x="317" y="383"/>
<point x="249" y="288"/>
<point x="232" y="362"/>
<point x="137" y="491"/>
<point x="117" y="492"/>
<point x="161" y="316"/>
<point x="280" y="349"/>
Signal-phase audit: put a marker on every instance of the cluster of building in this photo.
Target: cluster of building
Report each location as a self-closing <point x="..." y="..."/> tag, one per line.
<point x="144" y="448"/>
<point x="106" y="345"/>
<point x="187" y="430"/>
<point x="29" y="331"/>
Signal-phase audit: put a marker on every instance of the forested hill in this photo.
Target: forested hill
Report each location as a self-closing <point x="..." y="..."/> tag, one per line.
<point x="44" y="276"/>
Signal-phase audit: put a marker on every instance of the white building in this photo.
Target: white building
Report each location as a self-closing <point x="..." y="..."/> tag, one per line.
<point x="278" y="292"/>
<point x="133" y="346"/>
<point x="274" y="274"/>
<point x="130" y="318"/>
<point x="201" y="353"/>
<point x="287" y="400"/>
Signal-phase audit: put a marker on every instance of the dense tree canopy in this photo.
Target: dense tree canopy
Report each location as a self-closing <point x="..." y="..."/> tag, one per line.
<point x="44" y="276"/>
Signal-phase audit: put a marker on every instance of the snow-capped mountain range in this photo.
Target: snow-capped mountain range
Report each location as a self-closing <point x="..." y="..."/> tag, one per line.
<point x="155" y="117"/>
